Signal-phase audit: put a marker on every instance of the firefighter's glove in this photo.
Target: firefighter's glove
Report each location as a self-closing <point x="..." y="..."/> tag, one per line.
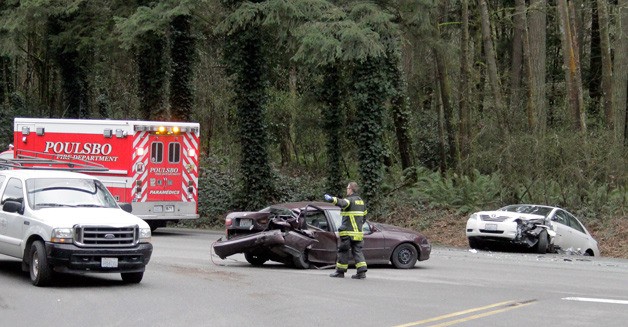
<point x="328" y="198"/>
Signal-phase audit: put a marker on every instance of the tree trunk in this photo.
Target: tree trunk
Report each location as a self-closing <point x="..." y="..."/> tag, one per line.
<point x="151" y="75"/>
<point x="181" y="79"/>
<point x="594" y="76"/>
<point x="333" y="123"/>
<point x="516" y="63"/>
<point x="620" y="73"/>
<point x="441" y="130"/>
<point x="571" y="65"/>
<point x="607" y="73"/>
<point x="491" y="64"/>
<point x="445" y="94"/>
<point x="535" y="54"/>
<point x="445" y="90"/>
<point x="463" y="130"/>
<point x="400" y="114"/>
<point x="575" y="42"/>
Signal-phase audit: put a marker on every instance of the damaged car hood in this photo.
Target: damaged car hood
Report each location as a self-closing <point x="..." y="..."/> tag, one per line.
<point x="498" y="215"/>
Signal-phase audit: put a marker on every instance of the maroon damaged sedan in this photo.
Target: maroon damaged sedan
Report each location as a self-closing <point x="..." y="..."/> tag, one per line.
<point x="302" y="234"/>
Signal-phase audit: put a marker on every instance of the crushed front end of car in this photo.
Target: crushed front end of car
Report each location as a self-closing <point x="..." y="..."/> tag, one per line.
<point x="283" y="241"/>
<point x="534" y="233"/>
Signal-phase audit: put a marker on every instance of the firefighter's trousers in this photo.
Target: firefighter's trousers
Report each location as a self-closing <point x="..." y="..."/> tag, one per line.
<point x="346" y="250"/>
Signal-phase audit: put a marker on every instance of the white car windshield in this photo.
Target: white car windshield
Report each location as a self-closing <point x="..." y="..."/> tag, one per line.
<point x="58" y="192"/>
<point x="537" y="210"/>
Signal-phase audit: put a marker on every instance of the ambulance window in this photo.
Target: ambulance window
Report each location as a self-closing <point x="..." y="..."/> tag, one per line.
<point x="174" y="152"/>
<point x="157" y="152"/>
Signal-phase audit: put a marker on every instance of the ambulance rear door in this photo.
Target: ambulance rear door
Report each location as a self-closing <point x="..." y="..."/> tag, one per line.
<point x="167" y="172"/>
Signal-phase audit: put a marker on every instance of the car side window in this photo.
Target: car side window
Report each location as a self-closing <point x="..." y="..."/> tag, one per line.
<point x="335" y="218"/>
<point x="366" y="228"/>
<point x="317" y="220"/>
<point x="561" y="217"/>
<point x="573" y="223"/>
<point x="14" y="191"/>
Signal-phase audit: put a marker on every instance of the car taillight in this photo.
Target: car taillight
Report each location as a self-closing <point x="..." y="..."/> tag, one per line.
<point x="228" y="222"/>
<point x="263" y="221"/>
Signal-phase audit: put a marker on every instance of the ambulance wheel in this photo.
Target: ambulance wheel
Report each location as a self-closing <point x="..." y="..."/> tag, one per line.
<point x="156" y="224"/>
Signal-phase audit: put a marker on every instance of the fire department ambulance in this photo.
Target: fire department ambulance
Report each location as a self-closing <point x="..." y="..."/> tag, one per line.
<point x="152" y="165"/>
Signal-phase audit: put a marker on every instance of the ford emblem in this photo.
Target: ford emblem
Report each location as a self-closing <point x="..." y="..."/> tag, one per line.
<point x="110" y="236"/>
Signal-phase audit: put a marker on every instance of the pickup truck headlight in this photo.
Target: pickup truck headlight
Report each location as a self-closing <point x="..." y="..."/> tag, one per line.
<point x="62" y="235"/>
<point x="145" y="235"/>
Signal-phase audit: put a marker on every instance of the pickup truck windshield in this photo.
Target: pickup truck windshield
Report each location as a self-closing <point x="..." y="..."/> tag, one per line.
<point x="58" y="192"/>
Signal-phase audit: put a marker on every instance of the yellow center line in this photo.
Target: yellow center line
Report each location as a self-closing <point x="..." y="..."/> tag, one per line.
<point x="481" y="315"/>
<point x="459" y="313"/>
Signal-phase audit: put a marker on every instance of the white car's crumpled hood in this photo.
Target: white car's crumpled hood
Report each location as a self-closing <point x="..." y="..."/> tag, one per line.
<point x="507" y="215"/>
<point x="67" y="217"/>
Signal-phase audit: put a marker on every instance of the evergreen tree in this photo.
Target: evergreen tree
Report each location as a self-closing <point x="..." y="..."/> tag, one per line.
<point x="182" y="56"/>
<point x="244" y="58"/>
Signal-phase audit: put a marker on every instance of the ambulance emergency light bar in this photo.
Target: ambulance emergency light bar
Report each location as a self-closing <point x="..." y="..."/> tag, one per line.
<point x="164" y="129"/>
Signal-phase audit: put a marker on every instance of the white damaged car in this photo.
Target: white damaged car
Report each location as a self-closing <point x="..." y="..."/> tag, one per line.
<point x="536" y="227"/>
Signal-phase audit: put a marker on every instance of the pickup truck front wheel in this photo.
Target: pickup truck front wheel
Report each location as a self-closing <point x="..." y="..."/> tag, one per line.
<point x="40" y="271"/>
<point x="132" y="278"/>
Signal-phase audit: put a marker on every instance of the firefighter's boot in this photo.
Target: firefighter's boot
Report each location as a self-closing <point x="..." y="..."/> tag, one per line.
<point x="338" y="274"/>
<point x="360" y="275"/>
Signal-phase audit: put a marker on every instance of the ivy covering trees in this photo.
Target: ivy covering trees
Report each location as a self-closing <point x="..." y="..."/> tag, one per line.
<point x="527" y="98"/>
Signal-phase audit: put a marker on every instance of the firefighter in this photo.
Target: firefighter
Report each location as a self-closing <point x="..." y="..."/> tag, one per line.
<point x="353" y="212"/>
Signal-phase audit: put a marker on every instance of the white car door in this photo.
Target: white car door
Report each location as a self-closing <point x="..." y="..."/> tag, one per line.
<point x="11" y="237"/>
<point x="4" y="222"/>
<point x="580" y="237"/>
<point x="565" y="238"/>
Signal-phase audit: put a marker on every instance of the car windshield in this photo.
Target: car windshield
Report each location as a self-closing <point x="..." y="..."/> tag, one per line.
<point x="536" y="210"/>
<point x="64" y="192"/>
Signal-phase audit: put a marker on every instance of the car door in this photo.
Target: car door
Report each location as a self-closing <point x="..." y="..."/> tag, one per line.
<point x="4" y="221"/>
<point x="12" y="223"/>
<point x="374" y="249"/>
<point x="324" y="228"/>
<point x="580" y="237"/>
<point x="565" y="237"/>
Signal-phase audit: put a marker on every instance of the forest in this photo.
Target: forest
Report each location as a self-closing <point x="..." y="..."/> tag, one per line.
<point x="436" y="108"/>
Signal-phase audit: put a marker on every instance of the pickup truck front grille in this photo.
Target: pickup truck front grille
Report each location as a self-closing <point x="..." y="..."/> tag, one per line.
<point x="104" y="236"/>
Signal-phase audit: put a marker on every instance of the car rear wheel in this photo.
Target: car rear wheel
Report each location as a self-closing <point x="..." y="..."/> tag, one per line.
<point x="40" y="271"/>
<point x="543" y="243"/>
<point x="404" y="256"/>
<point x="132" y="278"/>
<point x="255" y="260"/>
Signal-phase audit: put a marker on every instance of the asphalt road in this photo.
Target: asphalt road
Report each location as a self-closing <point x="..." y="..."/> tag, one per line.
<point x="185" y="286"/>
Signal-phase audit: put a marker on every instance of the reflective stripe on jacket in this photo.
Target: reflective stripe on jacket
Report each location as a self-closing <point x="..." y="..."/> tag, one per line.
<point x="353" y="212"/>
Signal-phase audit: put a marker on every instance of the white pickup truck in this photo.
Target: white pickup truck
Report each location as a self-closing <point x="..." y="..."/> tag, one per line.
<point x="59" y="221"/>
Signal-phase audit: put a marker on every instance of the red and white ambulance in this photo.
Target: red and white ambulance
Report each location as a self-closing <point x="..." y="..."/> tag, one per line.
<point x="152" y="165"/>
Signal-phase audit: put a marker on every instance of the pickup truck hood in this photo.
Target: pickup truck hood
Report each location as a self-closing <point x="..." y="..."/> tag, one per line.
<point x="68" y="217"/>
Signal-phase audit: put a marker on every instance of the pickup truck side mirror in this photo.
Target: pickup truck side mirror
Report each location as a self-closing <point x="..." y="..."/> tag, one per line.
<point x="126" y="207"/>
<point x="13" y="206"/>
